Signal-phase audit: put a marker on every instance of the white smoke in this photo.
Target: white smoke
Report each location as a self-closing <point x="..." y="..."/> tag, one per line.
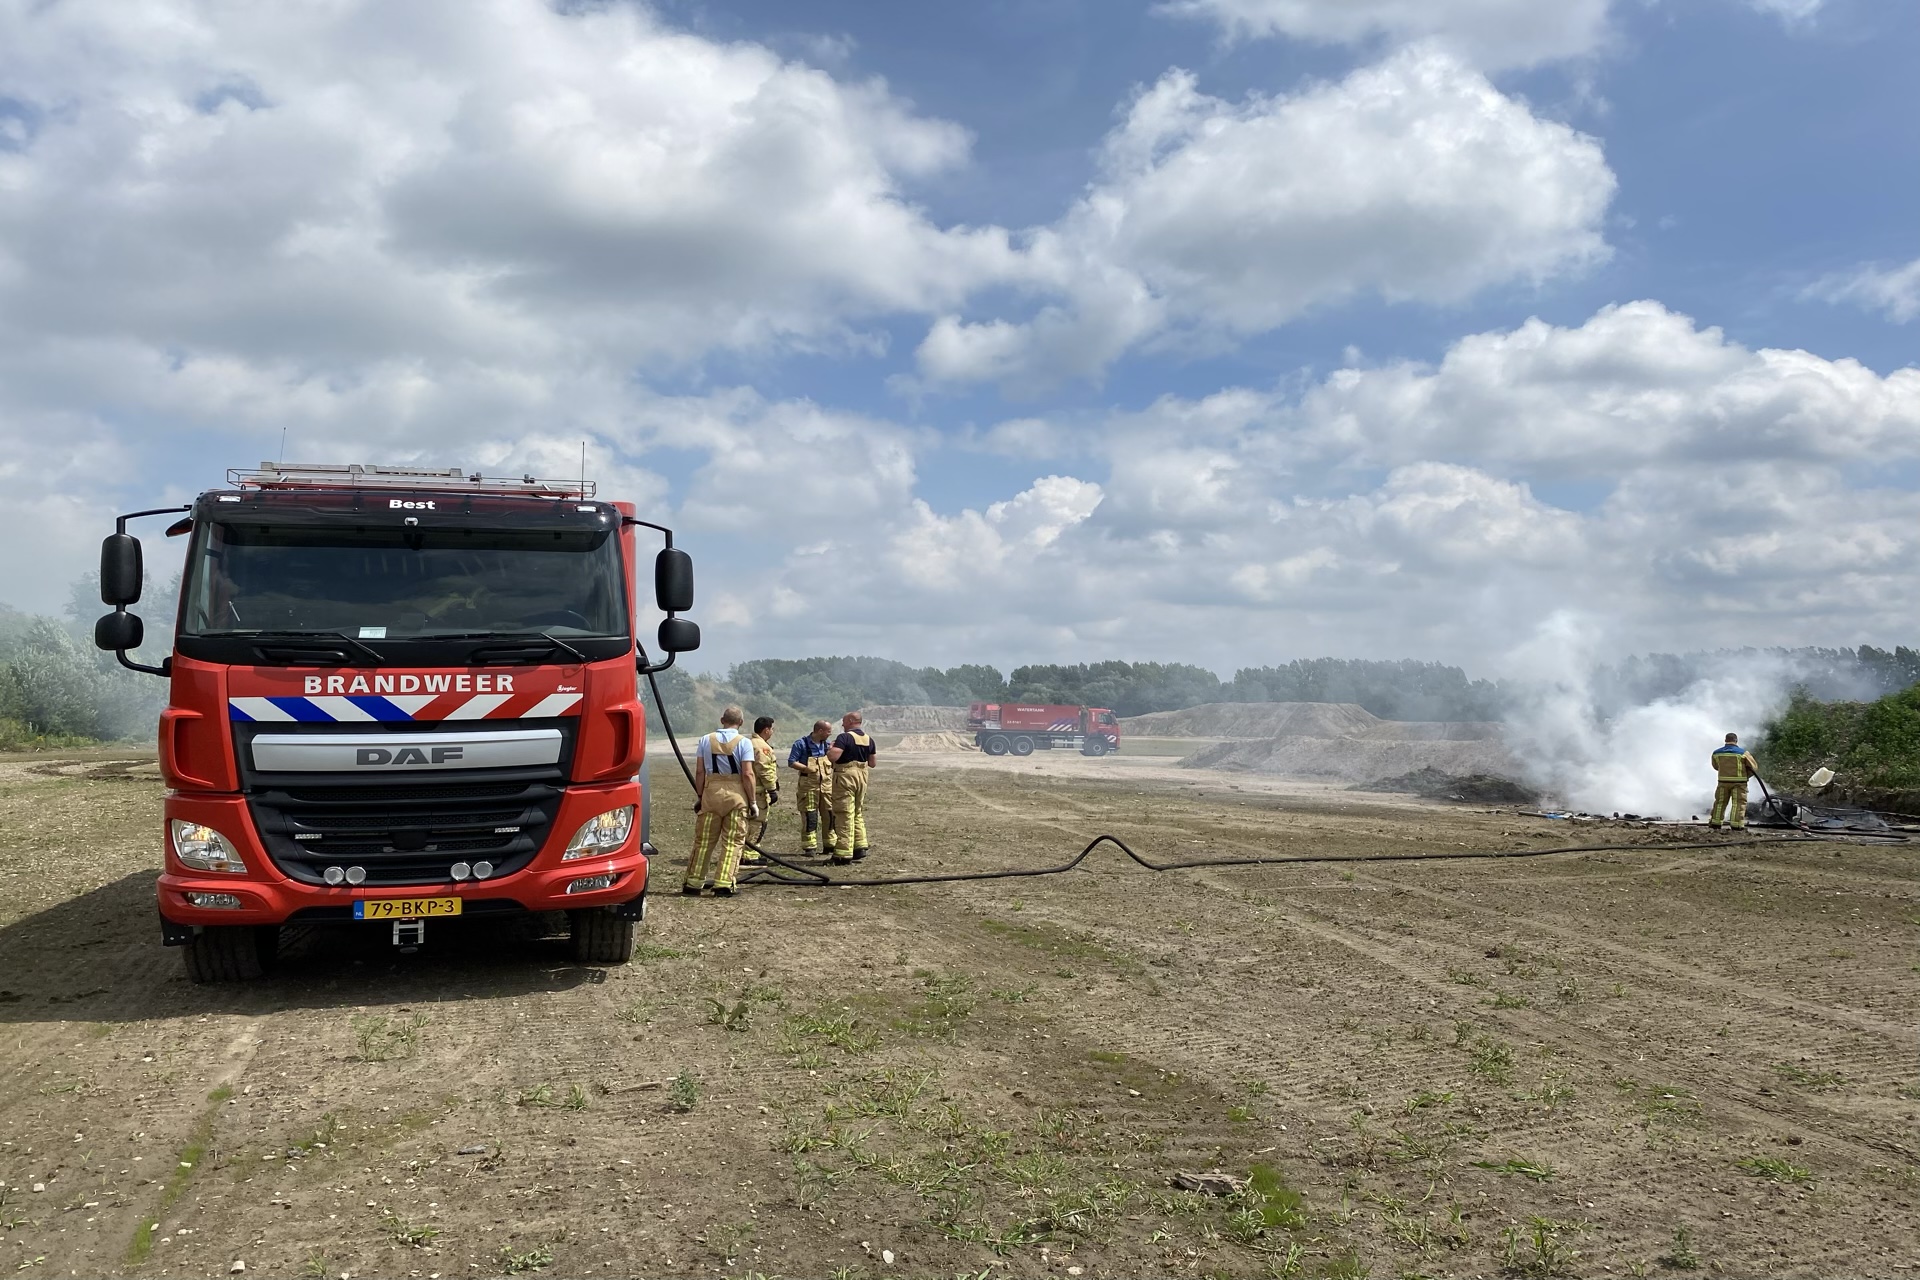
<point x="1650" y="759"/>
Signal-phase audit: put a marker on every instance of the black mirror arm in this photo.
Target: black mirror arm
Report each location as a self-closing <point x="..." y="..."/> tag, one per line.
<point x="631" y="521"/>
<point x="165" y="669"/>
<point x="120" y="522"/>
<point x="646" y="666"/>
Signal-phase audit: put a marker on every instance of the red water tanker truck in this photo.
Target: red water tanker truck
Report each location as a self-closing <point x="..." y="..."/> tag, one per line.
<point x="399" y="696"/>
<point x="1022" y="728"/>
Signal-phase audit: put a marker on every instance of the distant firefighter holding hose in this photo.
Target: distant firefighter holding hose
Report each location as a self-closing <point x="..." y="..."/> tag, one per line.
<point x="852" y="754"/>
<point x="1734" y="764"/>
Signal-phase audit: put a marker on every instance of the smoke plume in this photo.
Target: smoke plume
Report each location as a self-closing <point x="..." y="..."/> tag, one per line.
<point x="1650" y="758"/>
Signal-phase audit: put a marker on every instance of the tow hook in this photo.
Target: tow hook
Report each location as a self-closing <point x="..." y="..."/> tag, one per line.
<point x="409" y="935"/>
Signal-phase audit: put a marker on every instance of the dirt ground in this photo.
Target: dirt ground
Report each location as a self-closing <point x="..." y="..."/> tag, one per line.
<point x="1645" y="1060"/>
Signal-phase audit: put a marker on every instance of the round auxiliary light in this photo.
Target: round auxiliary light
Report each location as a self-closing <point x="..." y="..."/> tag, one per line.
<point x="333" y="875"/>
<point x="356" y="875"/>
<point x="459" y="871"/>
<point x="481" y="870"/>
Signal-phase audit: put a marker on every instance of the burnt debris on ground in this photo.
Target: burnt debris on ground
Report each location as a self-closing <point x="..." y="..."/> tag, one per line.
<point x="1435" y="784"/>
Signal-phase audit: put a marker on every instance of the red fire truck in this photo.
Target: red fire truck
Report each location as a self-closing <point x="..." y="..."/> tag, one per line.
<point x="1024" y="728"/>
<point x="399" y="696"/>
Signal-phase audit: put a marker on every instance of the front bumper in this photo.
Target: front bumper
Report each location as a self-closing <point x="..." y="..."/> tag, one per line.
<point x="267" y="896"/>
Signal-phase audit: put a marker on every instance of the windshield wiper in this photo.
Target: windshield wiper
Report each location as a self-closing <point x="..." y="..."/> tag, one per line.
<point x="517" y="641"/>
<point x="309" y="639"/>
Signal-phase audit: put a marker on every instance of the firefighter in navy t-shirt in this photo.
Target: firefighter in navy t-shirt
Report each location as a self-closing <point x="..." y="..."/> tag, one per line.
<point x="853" y="755"/>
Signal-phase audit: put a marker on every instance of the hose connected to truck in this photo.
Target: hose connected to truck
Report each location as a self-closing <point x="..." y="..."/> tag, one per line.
<point x="813" y="878"/>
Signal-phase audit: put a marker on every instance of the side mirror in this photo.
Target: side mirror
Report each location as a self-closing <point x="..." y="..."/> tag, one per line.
<point x="673" y="584"/>
<point x="677" y="635"/>
<point x="120" y="570"/>
<point x="120" y="630"/>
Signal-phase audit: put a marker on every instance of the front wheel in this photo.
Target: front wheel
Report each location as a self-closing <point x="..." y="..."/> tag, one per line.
<point x="600" y="937"/>
<point x="1023" y="746"/>
<point x="1096" y="746"/>
<point x="998" y="745"/>
<point x="231" y="952"/>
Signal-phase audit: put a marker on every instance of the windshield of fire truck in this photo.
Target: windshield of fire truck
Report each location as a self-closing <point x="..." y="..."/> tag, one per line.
<point x="372" y="583"/>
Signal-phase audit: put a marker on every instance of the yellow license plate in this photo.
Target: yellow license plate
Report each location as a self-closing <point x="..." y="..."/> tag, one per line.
<point x="404" y="908"/>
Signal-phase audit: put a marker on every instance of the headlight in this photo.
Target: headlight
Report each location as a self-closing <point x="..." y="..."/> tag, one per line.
<point x="602" y="834"/>
<point x="204" y="849"/>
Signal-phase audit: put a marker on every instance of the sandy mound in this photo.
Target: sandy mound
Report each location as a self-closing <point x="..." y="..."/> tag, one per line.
<point x="1251" y="720"/>
<point x="1352" y="759"/>
<point x="943" y="740"/>
<point x="908" y="719"/>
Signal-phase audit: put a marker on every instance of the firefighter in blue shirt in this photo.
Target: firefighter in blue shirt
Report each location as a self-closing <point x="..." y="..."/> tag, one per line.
<point x="814" y="799"/>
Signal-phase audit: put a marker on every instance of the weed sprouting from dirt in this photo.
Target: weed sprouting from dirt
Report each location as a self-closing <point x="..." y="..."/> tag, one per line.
<point x="1491" y="1058"/>
<point x="382" y="1039"/>
<point x="1541" y="1247"/>
<point x="648" y="951"/>
<point x="537" y="1258"/>
<point x="735" y="1017"/>
<point x="408" y="1234"/>
<point x="1519" y="1168"/>
<point x="636" y="1012"/>
<point x="1428" y="1098"/>
<point x="541" y="1095"/>
<point x="576" y="1098"/>
<point x="683" y="1094"/>
<point x="1681" y="1256"/>
<point x="836" y="1028"/>
<point x="1807" y="1077"/>
<point x="1776" y="1169"/>
<point x="947" y="1003"/>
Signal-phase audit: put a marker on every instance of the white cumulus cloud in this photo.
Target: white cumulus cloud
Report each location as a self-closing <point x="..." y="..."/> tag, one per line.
<point x="1894" y="291"/>
<point x="1414" y="181"/>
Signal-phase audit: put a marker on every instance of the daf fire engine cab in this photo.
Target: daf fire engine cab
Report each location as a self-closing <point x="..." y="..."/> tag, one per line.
<point x="399" y="696"/>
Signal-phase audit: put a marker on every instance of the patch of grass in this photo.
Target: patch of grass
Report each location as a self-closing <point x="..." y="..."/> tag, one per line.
<point x="1541" y="1247"/>
<point x="948" y="1002"/>
<point x="648" y="951"/>
<point x="1428" y="1098"/>
<point x="186" y="1162"/>
<point x="323" y="1136"/>
<point x="537" y="1258"/>
<point x="1681" y="1256"/>
<point x="1671" y="1104"/>
<point x="735" y="1017"/>
<point x="837" y="1028"/>
<point x="1019" y="995"/>
<point x="637" y="1012"/>
<point x="1807" y="1077"/>
<point x="1107" y="1056"/>
<point x="382" y="1039"/>
<point x="1346" y="1266"/>
<point x="402" y="1232"/>
<point x="683" y="1095"/>
<point x="1776" y="1170"/>
<point x="1240" y="1114"/>
<point x="1519" y="1168"/>
<point x="541" y="1095"/>
<point x="1491" y="1058"/>
<point x="1506" y="1000"/>
<point x="1553" y="1090"/>
<point x="1060" y="943"/>
<point x="576" y="1098"/>
<point x="1465" y="978"/>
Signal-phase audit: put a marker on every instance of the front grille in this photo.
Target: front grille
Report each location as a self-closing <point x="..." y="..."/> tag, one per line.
<point x="404" y="834"/>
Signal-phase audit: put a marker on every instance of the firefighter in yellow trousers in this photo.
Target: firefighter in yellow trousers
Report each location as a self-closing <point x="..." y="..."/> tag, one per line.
<point x="814" y="799"/>
<point x="766" y="778"/>
<point x="723" y="779"/>
<point x="1734" y="764"/>
<point x="853" y="755"/>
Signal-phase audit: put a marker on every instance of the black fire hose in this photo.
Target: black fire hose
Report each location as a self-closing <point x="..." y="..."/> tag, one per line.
<point x="812" y="878"/>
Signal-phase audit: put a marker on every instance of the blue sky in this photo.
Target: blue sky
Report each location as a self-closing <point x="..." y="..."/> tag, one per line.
<point x="1227" y="331"/>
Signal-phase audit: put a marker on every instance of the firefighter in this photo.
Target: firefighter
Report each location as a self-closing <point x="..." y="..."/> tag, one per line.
<point x="808" y="758"/>
<point x="852" y="754"/>
<point x="1734" y="764"/>
<point x="766" y="779"/>
<point x="723" y="779"/>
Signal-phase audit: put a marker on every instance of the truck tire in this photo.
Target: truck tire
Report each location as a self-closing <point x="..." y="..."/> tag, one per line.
<point x="1095" y="747"/>
<point x="600" y="937"/>
<point x="998" y="745"/>
<point x="1022" y="746"/>
<point x="231" y="952"/>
